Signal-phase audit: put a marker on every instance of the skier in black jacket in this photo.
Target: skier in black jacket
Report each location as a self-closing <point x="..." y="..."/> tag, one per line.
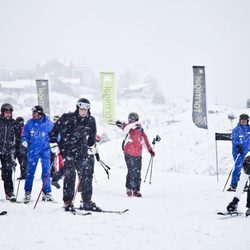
<point x="77" y="132"/>
<point x="10" y="137"/>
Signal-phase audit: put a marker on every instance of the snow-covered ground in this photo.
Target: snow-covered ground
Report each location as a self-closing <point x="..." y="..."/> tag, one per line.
<point x="177" y="211"/>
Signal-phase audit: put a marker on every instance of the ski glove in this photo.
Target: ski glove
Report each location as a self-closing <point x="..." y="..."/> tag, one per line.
<point x="97" y="156"/>
<point x="239" y="149"/>
<point x="119" y="124"/>
<point x="93" y="150"/>
<point x="54" y="148"/>
<point x="25" y="144"/>
<point x="97" y="138"/>
<point x="152" y="152"/>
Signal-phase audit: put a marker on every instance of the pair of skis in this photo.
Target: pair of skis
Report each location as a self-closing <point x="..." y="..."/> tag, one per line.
<point x="77" y="211"/>
<point x="231" y="214"/>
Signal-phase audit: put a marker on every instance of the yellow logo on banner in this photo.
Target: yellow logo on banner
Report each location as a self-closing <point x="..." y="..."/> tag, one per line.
<point x="108" y="95"/>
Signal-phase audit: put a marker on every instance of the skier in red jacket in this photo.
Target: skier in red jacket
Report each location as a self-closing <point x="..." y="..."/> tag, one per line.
<point x="135" y="138"/>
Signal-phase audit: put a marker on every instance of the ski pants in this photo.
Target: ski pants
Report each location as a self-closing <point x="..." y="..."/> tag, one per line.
<point x="22" y="160"/>
<point x="237" y="169"/>
<point x="8" y="164"/>
<point x="32" y="159"/>
<point x="133" y="179"/>
<point x="241" y="185"/>
<point x="84" y="165"/>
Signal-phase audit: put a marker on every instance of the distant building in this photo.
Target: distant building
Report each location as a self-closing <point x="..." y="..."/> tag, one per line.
<point x="17" y="86"/>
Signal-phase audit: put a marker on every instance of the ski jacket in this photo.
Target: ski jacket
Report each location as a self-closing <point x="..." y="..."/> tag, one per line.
<point x="76" y="133"/>
<point x="135" y="138"/>
<point x="10" y="136"/>
<point x="241" y="135"/>
<point x="36" y="134"/>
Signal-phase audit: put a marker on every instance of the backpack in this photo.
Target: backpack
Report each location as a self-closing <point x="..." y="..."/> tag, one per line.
<point x="123" y="142"/>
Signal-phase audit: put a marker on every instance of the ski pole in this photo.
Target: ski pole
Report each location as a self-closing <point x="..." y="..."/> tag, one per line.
<point x="44" y="182"/>
<point x="77" y="188"/>
<point x="151" y="170"/>
<point x="14" y="169"/>
<point x="105" y="167"/>
<point x="231" y="172"/>
<point x="95" y="178"/>
<point x="149" y="164"/>
<point x="18" y="187"/>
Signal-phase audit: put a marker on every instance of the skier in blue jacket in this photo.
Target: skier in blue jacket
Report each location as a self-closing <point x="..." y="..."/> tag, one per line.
<point x="240" y="147"/>
<point x="36" y="139"/>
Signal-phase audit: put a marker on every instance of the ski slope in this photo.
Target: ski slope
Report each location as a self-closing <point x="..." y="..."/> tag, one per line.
<point x="177" y="211"/>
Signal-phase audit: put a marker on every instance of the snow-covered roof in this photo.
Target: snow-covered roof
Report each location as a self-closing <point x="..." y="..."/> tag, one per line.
<point x="17" y="84"/>
<point x="73" y="81"/>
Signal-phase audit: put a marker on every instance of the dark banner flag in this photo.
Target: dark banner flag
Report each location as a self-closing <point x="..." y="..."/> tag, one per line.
<point x="199" y="98"/>
<point x="223" y="137"/>
<point x="43" y="95"/>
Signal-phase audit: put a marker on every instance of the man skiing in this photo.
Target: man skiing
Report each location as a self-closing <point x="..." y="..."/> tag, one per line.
<point x="36" y="139"/>
<point x="232" y="206"/>
<point x="135" y="137"/>
<point x="77" y="145"/>
<point x="240" y="147"/>
<point x="10" y="139"/>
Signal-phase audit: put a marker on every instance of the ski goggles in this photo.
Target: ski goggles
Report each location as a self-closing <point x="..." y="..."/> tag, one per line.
<point x="83" y="105"/>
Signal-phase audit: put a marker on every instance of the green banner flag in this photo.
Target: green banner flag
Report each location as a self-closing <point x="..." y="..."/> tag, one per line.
<point x="108" y="95"/>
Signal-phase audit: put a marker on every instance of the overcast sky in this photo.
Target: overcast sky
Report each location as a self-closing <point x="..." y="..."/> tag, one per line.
<point x="164" y="38"/>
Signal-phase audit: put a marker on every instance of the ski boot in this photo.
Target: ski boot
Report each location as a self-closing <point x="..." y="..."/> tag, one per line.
<point x="231" y="189"/>
<point x="137" y="194"/>
<point x="89" y="206"/>
<point x="47" y="197"/>
<point x="129" y="192"/>
<point x="10" y="197"/>
<point x="69" y="206"/>
<point x="27" y="197"/>
<point x="233" y="205"/>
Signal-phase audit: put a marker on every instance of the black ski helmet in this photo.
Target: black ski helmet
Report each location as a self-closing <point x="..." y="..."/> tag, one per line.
<point x="38" y="109"/>
<point x="83" y="103"/>
<point x="133" y="117"/>
<point x="6" y="107"/>
<point x="20" y="120"/>
<point x="244" y="117"/>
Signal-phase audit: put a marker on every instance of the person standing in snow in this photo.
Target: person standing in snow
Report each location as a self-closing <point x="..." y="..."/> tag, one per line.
<point x="10" y="139"/>
<point x="77" y="145"/>
<point x="240" y="147"/>
<point x="135" y="137"/>
<point x="232" y="206"/>
<point x="21" y="154"/>
<point x="56" y="162"/>
<point x="36" y="139"/>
